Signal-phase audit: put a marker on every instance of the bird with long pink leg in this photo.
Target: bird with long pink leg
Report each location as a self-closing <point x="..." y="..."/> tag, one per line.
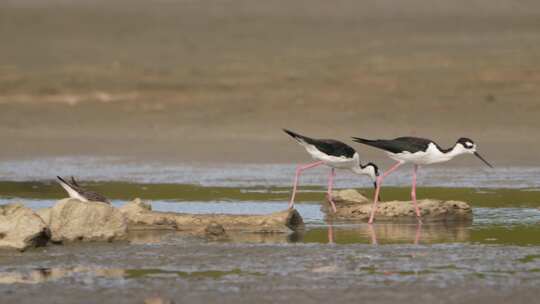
<point x="417" y="151"/>
<point x="334" y="154"/>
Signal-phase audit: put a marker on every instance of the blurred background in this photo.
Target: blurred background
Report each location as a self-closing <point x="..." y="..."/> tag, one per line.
<point x="215" y="81"/>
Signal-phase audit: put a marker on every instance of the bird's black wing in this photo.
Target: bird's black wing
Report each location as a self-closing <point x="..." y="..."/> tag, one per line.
<point x="327" y="146"/>
<point x="333" y="147"/>
<point x="94" y="196"/>
<point x="74" y="182"/>
<point x="397" y="145"/>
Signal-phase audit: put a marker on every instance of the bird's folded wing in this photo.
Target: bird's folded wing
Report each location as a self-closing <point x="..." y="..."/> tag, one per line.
<point x="397" y="145"/>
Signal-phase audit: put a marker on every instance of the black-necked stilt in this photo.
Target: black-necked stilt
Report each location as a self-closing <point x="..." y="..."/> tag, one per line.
<point x="75" y="191"/>
<point x="334" y="154"/>
<point x="418" y="151"/>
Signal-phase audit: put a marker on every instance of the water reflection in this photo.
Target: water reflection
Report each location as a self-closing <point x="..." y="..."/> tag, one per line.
<point x="361" y="233"/>
<point x="386" y="233"/>
<point x="163" y="236"/>
<point x="372" y="231"/>
<point x="41" y="275"/>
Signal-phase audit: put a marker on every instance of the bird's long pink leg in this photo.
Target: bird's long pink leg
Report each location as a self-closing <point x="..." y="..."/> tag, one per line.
<point x="418" y="233"/>
<point x="330" y="186"/>
<point x="330" y="233"/>
<point x="373" y="235"/>
<point x="298" y="172"/>
<point x="378" y="190"/>
<point x="413" y="194"/>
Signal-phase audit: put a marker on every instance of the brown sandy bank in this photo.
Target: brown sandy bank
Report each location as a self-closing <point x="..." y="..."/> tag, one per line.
<point x="200" y="81"/>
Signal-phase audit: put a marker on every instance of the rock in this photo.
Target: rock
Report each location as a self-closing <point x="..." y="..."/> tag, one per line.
<point x="45" y="214"/>
<point x="158" y="300"/>
<point x="359" y="208"/>
<point x="349" y="197"/>
<point x="275" y="222"/>
<point x="21" y="228"/>
<point x="136" y="206"/>
<point x="214" y="230"/>
<point x="74" y="220"/>
<point x="140" y="216"/>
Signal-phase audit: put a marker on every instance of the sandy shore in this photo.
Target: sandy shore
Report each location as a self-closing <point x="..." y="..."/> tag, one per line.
<point x="35" y="130"/>
<point x="193" y="81"/>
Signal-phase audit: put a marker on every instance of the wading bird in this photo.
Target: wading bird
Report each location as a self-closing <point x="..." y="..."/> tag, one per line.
<point x="74" y="190"/>
<point x="334" y="154"/>
<point x="418" y="151"/>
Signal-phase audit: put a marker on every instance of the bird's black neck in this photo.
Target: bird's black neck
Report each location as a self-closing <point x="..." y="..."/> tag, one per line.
<point x="445" y="151"/>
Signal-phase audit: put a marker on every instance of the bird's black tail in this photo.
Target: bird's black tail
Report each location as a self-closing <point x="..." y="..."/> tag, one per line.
<point x="63" y="180"/>
<point x="298" y="137"/>
<point x="292" y="134"/>
<point x="369" y="142"/>
<point x="362" y="140"/>
<point x="67" y="185"/>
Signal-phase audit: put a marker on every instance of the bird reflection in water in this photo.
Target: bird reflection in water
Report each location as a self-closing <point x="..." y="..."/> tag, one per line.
<point x="373" y="234"/>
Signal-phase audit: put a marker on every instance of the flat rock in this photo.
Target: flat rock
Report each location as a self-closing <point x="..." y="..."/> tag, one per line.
<point x="351" y="204"/>
<point x="74" y="220"/>
<point x="45" y="214"/>
<point x="158" y="300"/>
<point x="21" y="228"/>
<point x="349" y="197"/>
<point x="141" y="216"/>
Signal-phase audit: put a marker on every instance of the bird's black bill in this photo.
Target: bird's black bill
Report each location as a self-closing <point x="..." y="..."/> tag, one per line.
<point x="482" y="159"/>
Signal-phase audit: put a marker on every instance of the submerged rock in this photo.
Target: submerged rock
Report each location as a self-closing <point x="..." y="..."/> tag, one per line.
<point x="158" y="300"/>
<point x="74" y="220"/>
<point x="214" y="229"/>
<point x="141" y="216"/>
<point x="351" y="204"/>
<point x="21" y="228"/>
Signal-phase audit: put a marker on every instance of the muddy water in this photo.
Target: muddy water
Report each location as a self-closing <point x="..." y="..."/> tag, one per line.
<point x="192" y="270"/>
<point x="494" y="258"/>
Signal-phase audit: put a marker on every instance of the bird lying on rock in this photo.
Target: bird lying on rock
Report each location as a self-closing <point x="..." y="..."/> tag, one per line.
<point x="74" y="190"/>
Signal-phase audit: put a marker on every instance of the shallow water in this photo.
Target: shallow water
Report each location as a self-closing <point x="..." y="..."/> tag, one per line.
<point x="198" y="271"/>
<point x="480" y="197"/>
<point x="494" y="257"/>
<point x="509" y="226"/>
<point x="249" y="175"/>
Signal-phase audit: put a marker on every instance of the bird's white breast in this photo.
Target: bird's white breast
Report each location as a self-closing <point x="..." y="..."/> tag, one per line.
<point x="430" y="156"/>
<point x="333" y="161"/>
<point x="72" y="193"/>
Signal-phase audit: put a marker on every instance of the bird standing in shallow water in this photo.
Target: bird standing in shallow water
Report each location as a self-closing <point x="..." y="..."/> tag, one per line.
<point x="418" y="151"/>
<point x="75" y="191"/>
<point x="334" y="154"/>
